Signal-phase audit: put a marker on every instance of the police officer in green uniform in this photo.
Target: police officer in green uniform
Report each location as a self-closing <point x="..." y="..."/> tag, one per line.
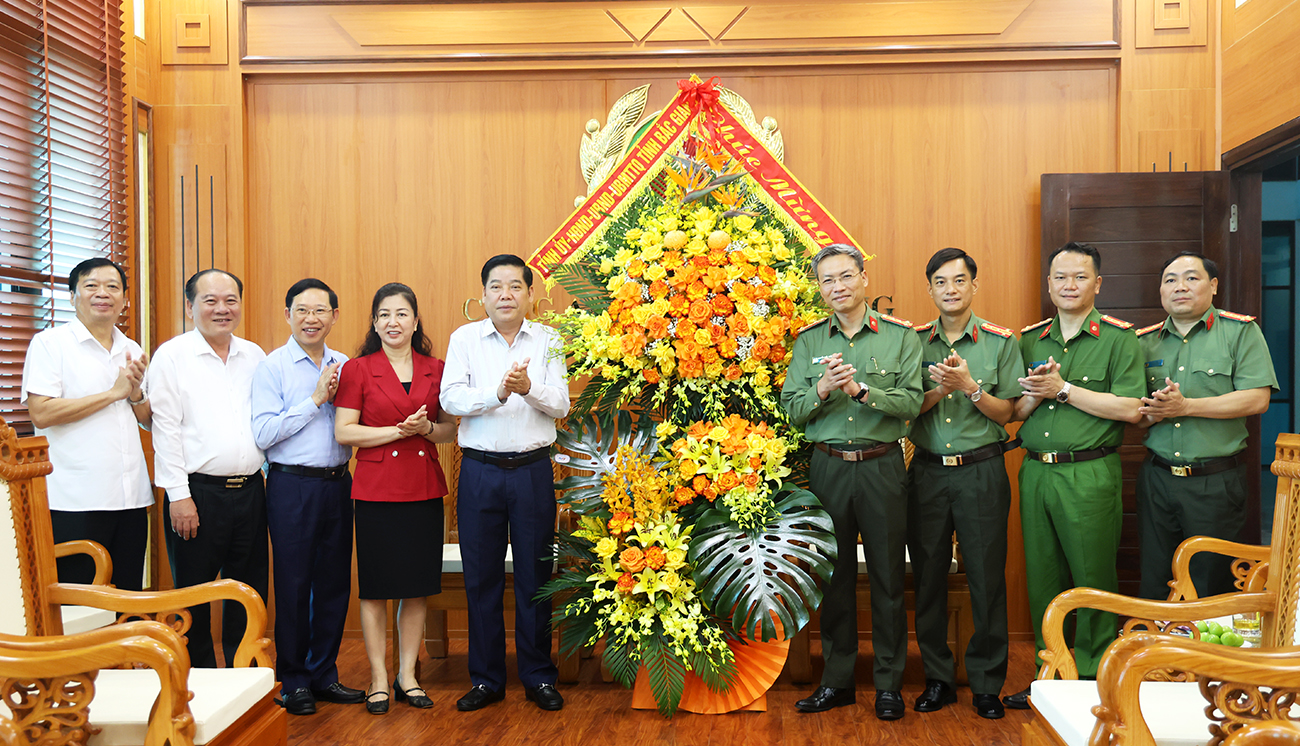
<point x="958" y="479"/>
<point x="854" y="383"/>
<point x="1085" y="381"/>
<point x="1207" y="371"/>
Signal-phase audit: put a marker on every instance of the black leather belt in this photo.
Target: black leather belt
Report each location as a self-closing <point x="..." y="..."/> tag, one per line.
<point x="1202" y="469"/>
<point x="319" y="472"/>
<point x="1071" y="457"/>
<point x="983" y="453"/>
<point x="230" y="483"/>
<point x="858" y="454"/>
<point x="508" y="460"/>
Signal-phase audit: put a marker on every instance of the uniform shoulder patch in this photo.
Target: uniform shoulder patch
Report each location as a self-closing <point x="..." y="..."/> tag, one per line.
<point x="1032" y="327"/>
<point x="927" y="326"/>
<point x="1243" y="318"/>
<point x="1149" y="329"/>
<point x="895" y="320"/>
<point x="1117" y="322"/>
<point x="1001" y="331"/>
<point x="814" y="325"/>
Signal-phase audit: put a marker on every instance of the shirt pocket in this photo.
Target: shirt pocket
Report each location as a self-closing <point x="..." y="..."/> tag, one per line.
<point x="1092" y="377"/>
<point x="1155" y="375"/>
<point x="1212" y="376"/>
<point x="880" y="372"/>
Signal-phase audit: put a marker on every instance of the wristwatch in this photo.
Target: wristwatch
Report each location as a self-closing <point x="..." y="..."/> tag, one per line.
<point x="862" y="393"/>
<point x="1064" y="394"/>
<point x="976" y="396"/>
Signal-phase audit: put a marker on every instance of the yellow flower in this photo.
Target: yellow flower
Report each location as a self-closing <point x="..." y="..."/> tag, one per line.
<point x="761" y="378"/>
<point x="665" y="430"/>
<point x="670" y="580"/>
<point x="696" y="247"/>
<point x="775" y="449"/>
<point x="615" y="283"/>
<point x="718" y="433"/>
<point x="781" y="253"/>
<point x="714" y="370"/>
<point x="590" y="328"/>
<point x="606" y="266"/>
<point x="743" y="223"/>
<point x="603" y="322"/>
<point x="676" y="559"/>
<point x="687" y="469"/>
<point x="606" y="547"/>
<point x="653" y="254"/>
<point x="623" y="256"/>
<point x="703" y="338"/>
<point x="654" y="271"/>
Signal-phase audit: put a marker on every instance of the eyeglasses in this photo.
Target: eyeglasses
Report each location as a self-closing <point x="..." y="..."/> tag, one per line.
<point x="301" y="313"/>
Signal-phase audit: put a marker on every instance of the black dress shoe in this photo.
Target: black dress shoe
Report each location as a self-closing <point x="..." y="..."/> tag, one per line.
<point x="300" y="702"/>
<point x="936" y="695"/>
<point x="375" y="705"/>
<point x="339" y="694"/>
<point x="889" y="705"/>
<point x="827" y="698"/>
<point x="545" y="697"/>
<point x="414" y="696"/>
<point x="1017" y="701"/>
<point x="478" y="698"/>
<point x="988" y="706"/>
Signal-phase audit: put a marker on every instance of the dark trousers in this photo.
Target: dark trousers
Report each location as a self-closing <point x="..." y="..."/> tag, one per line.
<point x="124" y="533"/>
<point x="867" y="498"/>
<point x="232" y="543"/>
<point x="975" y="500"/>
<point x="494" y="505"/>
<point x="310" y="522"/>
<point x="1171" y="509"/>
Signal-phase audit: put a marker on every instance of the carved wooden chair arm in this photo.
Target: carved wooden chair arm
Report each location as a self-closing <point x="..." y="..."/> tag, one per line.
<point x="1245" y="558"/>
<point x="51" y="679"/>
<point x="1266" y="733"/>
<point x="1148" y="615"/>
<point x="103" y="562"/>
<point x="173" y="603"/>
<point x="1243" y="686"/>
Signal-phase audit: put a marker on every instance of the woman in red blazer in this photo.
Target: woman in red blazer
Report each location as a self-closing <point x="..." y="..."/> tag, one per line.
<point x="387" y="406"/>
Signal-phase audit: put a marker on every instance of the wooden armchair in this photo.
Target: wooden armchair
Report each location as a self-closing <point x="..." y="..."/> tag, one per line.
<point x="224" y="705"/>
<point x="1246" y="689"/>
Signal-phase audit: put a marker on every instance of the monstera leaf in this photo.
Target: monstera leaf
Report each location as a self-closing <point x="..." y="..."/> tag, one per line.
<point x="754" y="576"/>
<point x="591" y="443"/>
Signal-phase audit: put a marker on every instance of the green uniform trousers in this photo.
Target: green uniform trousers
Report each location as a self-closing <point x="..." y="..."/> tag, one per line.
<point x="975" y="500"/>
<point x="1070" y="515"/>
<point x="867" y="497"/>
<point x="1171" y="509"/>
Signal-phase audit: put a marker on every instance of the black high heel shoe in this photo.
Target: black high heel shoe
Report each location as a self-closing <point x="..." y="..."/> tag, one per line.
<point x="420" y="700"/>
<point x="377" y="706"/>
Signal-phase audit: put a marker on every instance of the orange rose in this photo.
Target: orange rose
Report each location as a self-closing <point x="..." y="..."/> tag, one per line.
<point x="710" y="494"/>
<point x="621" y="522"/>
<point x="678" y="305"/>
<point x="651" y="375"/>
<point x="630" y="292"/>
<point x="762" y="292"/>
<point x="767" y="274"/>
<point x="696" y="290"/>
<point x="657" y="327"/>
<point x="659" y="289"/>
<point x="722" y="305"/>
<point x="633" y="343"/>
<point x="733" y="372"/>
<point x="700" y="262"/>
<point x="701" y="311"/>
<point x="727" y="347"/>
<point x="671" y="261"/>
<point x="735" y="424"/>
<point x="691" y="368"/>
<point x="626" y="582"/>
<point x="636" y="267"/>
<point x="698" y="430"/>
<point x="655" y="558"/>
<point x="632" y="559"/>
<point x="739" y="325"/>
<point x="716" y="278"/>
<point x="685" y="329"/>
<point x="718" y="333"/>
<point x="751" y="481"/>
<point x="728" y="481"/>
<point x="718" y="256"/>
<point x="760" y="351"/>
<point x="709" y="355"/>
<point x="755" y="462"/>
<point x="700" y="483"/>
<point x="785" y="306"/>
<point x="683" y="495"/>
<point x="777" y="354"/>
<point x="742" y="292"/>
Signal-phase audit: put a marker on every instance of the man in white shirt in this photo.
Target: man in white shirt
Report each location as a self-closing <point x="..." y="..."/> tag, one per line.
<point x="505" y="378"/>
<point x="81" y="385"/>
<point x="205" y="457"/>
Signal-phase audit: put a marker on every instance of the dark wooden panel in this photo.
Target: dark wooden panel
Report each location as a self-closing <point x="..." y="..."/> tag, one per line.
<point x="1136" y="189"/>
<point x="1140" y="257"/>
<point x="1129" y="291"/>
<point x="1176" y="223"/>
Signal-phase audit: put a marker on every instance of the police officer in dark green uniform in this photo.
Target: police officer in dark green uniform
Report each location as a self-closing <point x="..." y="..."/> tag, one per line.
<point x="958" y="479"/>
<point x="1085" y="382"/>
<point x="854" y="383"/>
<point x="1207" y="371"/>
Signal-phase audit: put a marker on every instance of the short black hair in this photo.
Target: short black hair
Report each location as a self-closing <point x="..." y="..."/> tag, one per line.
<point x="90" y="265"/>
<point x="1211" y="268"/>
<point x="1074" y="247"/>
<point x="943" y="256"/>
<point x="506" y="260"/>
<point x="192" y="284"/>
<point x="310" y="283"/>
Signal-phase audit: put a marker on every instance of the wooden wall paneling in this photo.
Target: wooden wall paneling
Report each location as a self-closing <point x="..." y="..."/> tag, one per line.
<point x="1171" y="23"/>
<point x="193" y="32"/>
<point x="1261" y="68"/>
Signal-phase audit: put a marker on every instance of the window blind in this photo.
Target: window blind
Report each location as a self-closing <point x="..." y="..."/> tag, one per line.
<point x="62" y="165"/>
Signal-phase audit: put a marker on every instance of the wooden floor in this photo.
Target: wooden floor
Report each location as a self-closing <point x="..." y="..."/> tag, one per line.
<point x="596" y="714"/>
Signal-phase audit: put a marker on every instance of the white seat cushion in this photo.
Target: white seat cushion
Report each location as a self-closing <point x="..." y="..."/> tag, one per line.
<point x="907" y="562"/>
<point x="84" y="618"/>
<point x="1173" y="710"/>
<point x="123" y="700"/>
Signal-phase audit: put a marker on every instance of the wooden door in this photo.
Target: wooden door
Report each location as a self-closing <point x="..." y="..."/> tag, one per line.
<point x="1137" y="221"/>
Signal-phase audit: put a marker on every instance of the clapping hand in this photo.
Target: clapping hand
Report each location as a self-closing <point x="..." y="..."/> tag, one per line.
<point x="1167" y="402"/>
<point x="416" y="424"/>
<point x="130" y="377"/>
<point x="838" y="375"/>
<point x="327" y="385"/>
<point x="953" y="374"/>
<point x="1044" y="381"/>
<point x="515" y="381"/>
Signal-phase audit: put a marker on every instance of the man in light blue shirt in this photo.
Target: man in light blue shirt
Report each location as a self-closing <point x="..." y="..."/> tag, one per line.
<point x="308" y="500"/>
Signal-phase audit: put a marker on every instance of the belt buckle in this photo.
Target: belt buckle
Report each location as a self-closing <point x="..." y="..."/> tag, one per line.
<point x="233" y="483"/>
<point x="952" y="460"/>
<point x="1180" y="471"/>
<point x="851" y="456"/>
<point x="1048" y="458"/>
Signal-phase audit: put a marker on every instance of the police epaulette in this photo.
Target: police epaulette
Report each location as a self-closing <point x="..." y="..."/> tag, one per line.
<point x="1001" y="331"/>
<point x="895" y="320"/>
<point x="1122" y="324"/>
<point x="1243" y="318"/>
<point x="1032" y="327"/>
<point x="1149" y="329"/>
<point x="927" y="326"/>
<point x="814" y="324"/>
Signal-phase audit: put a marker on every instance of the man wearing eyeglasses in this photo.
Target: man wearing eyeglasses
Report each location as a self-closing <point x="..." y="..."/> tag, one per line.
<point x="308" y="500"/>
